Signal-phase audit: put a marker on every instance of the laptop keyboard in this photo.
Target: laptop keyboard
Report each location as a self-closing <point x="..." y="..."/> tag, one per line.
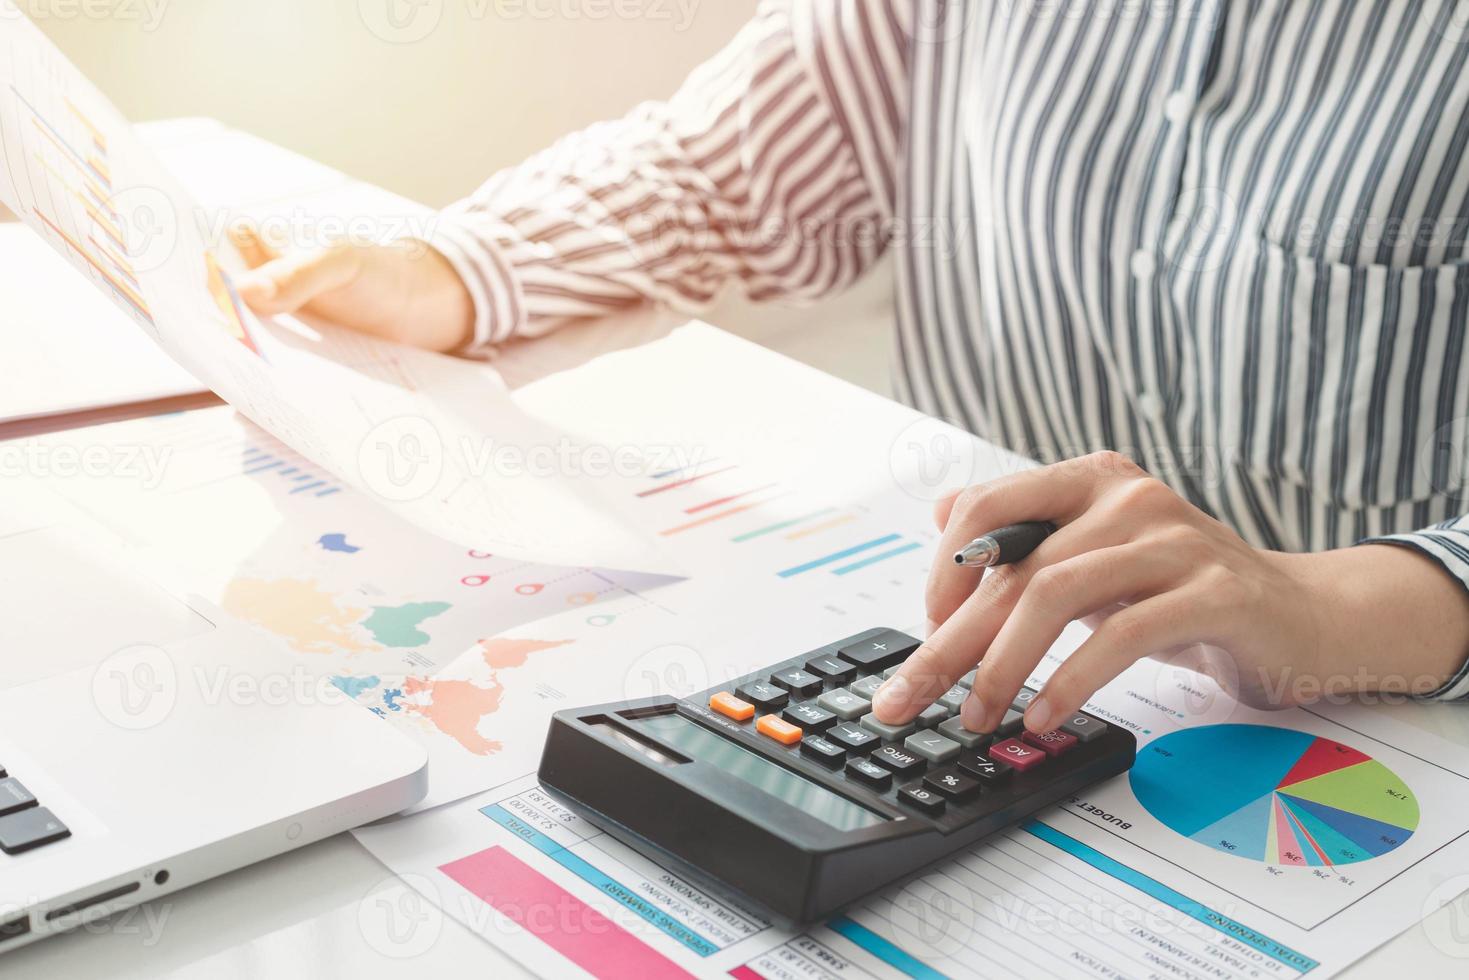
<point x="24" y="823"/>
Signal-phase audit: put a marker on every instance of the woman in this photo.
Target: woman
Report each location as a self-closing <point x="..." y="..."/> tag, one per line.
<point x="1224" y="243"/>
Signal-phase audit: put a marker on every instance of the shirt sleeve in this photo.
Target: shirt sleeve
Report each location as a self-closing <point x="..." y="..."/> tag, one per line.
<point x="1447" y="544"/>
<point x="772" y="170"/>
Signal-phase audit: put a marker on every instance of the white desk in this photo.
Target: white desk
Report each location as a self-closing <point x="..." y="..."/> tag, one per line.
<point x="331" y="910"/>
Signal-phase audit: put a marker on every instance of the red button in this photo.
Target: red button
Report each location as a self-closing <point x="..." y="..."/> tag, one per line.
<point x="1016" y="754"/>
<point x="1052" y="743"/>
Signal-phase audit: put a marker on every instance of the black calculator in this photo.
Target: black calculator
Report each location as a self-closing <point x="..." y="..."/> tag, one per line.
<point x="783" y="791"/>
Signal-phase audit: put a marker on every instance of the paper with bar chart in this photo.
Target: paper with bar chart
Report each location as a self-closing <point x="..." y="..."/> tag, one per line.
<point x="469" y="651"/>
<point x="407" y="426"/>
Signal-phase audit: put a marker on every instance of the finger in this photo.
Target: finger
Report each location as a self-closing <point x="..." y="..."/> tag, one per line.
<point x="1163" y="622"/>
<point x="256" y="251"/>
<point x="287" y="284"/>
<point x="1056" y="596"/>
<point x="1059" y="493"/>
<point x="958" y="644"/>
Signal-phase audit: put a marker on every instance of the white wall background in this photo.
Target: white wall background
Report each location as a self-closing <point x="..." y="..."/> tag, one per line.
<point x="428" y="109"/>
<point x="429" y="97"/>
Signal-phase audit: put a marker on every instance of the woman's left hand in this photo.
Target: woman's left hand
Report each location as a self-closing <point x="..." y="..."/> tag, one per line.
<point x="1159" y="576"/>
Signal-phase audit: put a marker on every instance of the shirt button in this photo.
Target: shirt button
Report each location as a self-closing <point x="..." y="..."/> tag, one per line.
<point x="1143" y="264"/>
<point x="1177" y="106"/>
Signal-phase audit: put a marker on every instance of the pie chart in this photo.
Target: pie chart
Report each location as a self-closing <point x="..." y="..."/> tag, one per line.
<point x="1274" y="795"/>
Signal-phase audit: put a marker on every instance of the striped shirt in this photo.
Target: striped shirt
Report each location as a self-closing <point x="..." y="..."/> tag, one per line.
<point x="1229" y="239"/>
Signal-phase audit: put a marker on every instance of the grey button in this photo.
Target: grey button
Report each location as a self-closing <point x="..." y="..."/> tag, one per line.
<point x="14" y="796"/>
<point x="1023" y="699"/>
<point x="888" y="733"/>
<point x="932" y="715"/>
<point x="30" y="828"/>
<point x="954" y="697"/>
<point x="844" y="704"/>
<point x="1084" y="727"/>
<point x="1012" y="723"/>
<point x="891" y="670"/>
<point x="954" y="729"/>
<point x="968" y="679"/>
<point x="932" y="746"/>
<point x="865" y="687"/>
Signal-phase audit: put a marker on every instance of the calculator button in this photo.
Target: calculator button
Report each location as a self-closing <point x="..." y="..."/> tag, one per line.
<point x="923" y="798"/>
<point x="953" y="697"/>
<point x="931" y="716"/>
<point x="968" y="679"/>
<point x="869" y="774"/>
<point x="1052" y="743"/>
<point x="853" y="738"/>
<point x="844" y="704"/>
<point x="835" y="670"/>
<point x="954" y="729"/>
<point x="888" y="733"/>
<point x="1084" y="727"/>
<point x="865" y="686"/>
<point x="932" y="746"/>
<point x="824" y="751"/>
<point x="1023" y="699"/>
<point x="891" y="671"/>
<point x="883" y="650"/>
<point x="765" y="696"/>
<point x="799" y="682"/>
<point x="782" y="731"/>
<point x="809" y="717"/>
<point x="952" y="783"/>
<point x="979" y="766"/>
<point x="1015" y="754"/>
<point x="900" y="761"/>
<point x="732" y="707"/>
<point x="1011" y="724"/>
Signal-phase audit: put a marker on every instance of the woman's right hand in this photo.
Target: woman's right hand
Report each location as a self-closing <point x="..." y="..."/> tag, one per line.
<point x="404" y="292"/>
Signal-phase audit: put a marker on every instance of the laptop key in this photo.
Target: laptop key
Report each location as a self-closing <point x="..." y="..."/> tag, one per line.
<point x="14" y="796"/>
<point x="30" y="828"/>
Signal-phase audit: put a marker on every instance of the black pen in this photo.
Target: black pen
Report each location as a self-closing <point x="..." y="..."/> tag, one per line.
<point x="1004" y="546"/>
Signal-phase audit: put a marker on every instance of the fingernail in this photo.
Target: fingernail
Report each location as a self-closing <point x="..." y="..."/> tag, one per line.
<point x="1038" y="715"/>
<point x="892" y="698"/>
<point x="972" y="714"/>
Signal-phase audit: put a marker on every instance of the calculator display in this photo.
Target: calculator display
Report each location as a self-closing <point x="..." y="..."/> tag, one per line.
<point x="702" y="744"/>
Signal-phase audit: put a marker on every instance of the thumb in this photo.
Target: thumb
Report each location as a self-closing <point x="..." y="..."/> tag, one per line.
<point x="286" y="284"/>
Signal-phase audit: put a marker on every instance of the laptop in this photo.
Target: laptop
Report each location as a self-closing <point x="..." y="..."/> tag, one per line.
<point x="146" y="749"/>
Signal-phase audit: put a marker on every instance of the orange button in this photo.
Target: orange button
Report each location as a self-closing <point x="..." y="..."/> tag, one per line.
<point x="782" y="731"/>
<point x="727" y="704"/>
